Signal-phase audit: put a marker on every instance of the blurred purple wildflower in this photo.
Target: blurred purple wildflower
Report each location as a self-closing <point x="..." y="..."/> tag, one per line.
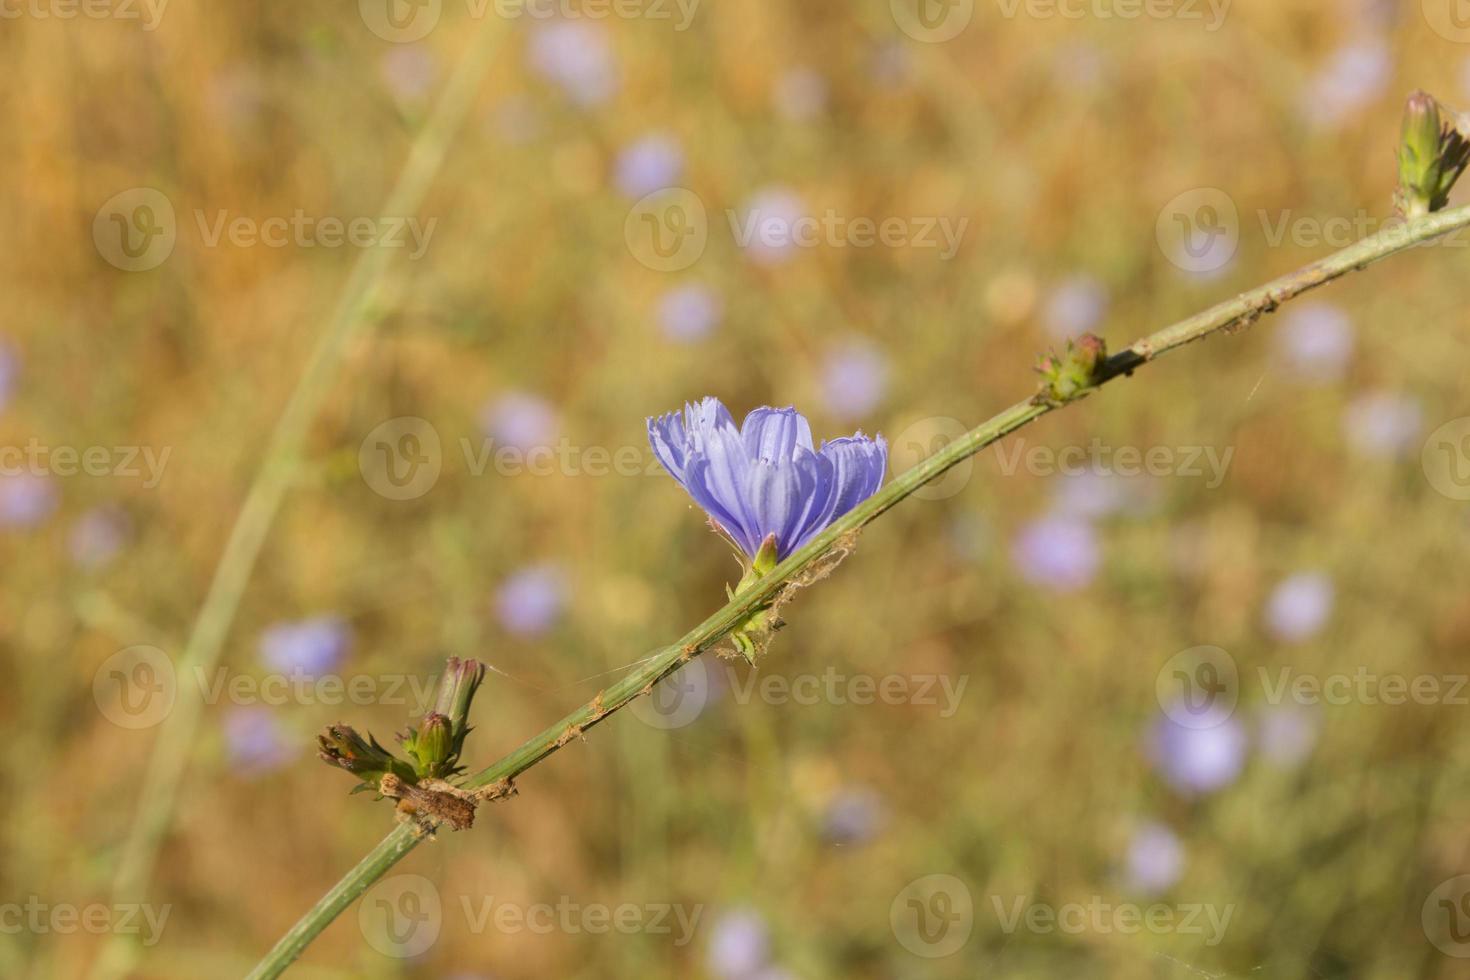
<point x="312" y="647"/>
<point x="530" y="602"/>
<point x="800" y="94"/>
<point x="1155" y="859"/>
<point x="1354" y="75"/>
<point x="255" y="742"/>
<point x="519" y="420"/>
<point x="98" y="536"/>
<point x="854" y="816"/>
<point x="1058" y="552"/>
<point x="854" y="380"/>
<point x="650" y="163"/>
<point x="740" y="945"/>
<point x="9" y="372"/>
<point x="767" y="225"/>
<point x="689" y="312"/>
<point x="1316" y="342"/>
<point x="767" y="477"/>
<point x="1299" y="606"/>
<point x="1383" y="423"/>
<point x="410" y="71"/>
<point x="1287" y="734"/>
<point x="577" y="57"/>
<point x="26" y="500"/>
<point x="1198" y="760"/>
<point x="1074" y="307"/>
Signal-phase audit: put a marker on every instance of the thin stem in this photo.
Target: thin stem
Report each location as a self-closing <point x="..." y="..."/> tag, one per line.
<point x="1240" y="311"/>
<point x="202" y="649"/>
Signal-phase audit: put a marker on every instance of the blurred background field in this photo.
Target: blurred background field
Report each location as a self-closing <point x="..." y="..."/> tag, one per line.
<point x="1104" y="172"/>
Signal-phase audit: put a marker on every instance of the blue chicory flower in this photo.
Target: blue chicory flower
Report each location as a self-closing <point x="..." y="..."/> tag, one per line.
<point x="766" y="477"/>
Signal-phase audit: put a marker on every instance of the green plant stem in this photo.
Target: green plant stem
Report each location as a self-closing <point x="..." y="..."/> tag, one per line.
<point x="354" y="309"/>
<point x="1235" y="313"/>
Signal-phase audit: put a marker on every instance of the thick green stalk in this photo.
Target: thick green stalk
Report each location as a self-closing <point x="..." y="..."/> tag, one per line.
<point x="1238" y="312"/>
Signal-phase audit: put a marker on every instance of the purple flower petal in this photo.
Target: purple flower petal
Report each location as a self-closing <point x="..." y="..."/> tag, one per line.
<point x="772" y="434"/>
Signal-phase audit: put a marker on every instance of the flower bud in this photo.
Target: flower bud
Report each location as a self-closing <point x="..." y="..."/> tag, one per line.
<point x="431" y="746"/>
<point x="1432" y="155"/>
<point x="341" y="746"/>
<point x="1066" y="377"/>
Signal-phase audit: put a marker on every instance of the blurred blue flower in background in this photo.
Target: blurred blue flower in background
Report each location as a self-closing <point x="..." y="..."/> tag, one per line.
<point x="1315" y="342"/>
<point x="26" y="500"/>
<point x="650" y="163"/>
<point x="311" y="647"/>
<point x="1287" y="734"/>
<point x="800" y="94"/>
<point x="410" y="71"/>
<point x="255" y="742"/>
<point x="1155" y="859"/>
<point x="1354" y="75"/>
<point x="740" y="945"/>
<point x="520" y="420"/>
<point x="1058" y="552"/>
<point x="767" y="477"/>
<point x="1299" y="606"/>
<point x="1383" y="424"/>
<point x="689" y="312"/>
<point x="768" y="219"/>
<point x="576" y="56"/>
<point x="9" y="372"/>
<point x="530" y="601"/>
<point x="98" y="536"/>
<point x="1075" y="306"/>
<point x="854" y="380"/>
<point x="1198" y="760"/>
<point x="854" y="815"/>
